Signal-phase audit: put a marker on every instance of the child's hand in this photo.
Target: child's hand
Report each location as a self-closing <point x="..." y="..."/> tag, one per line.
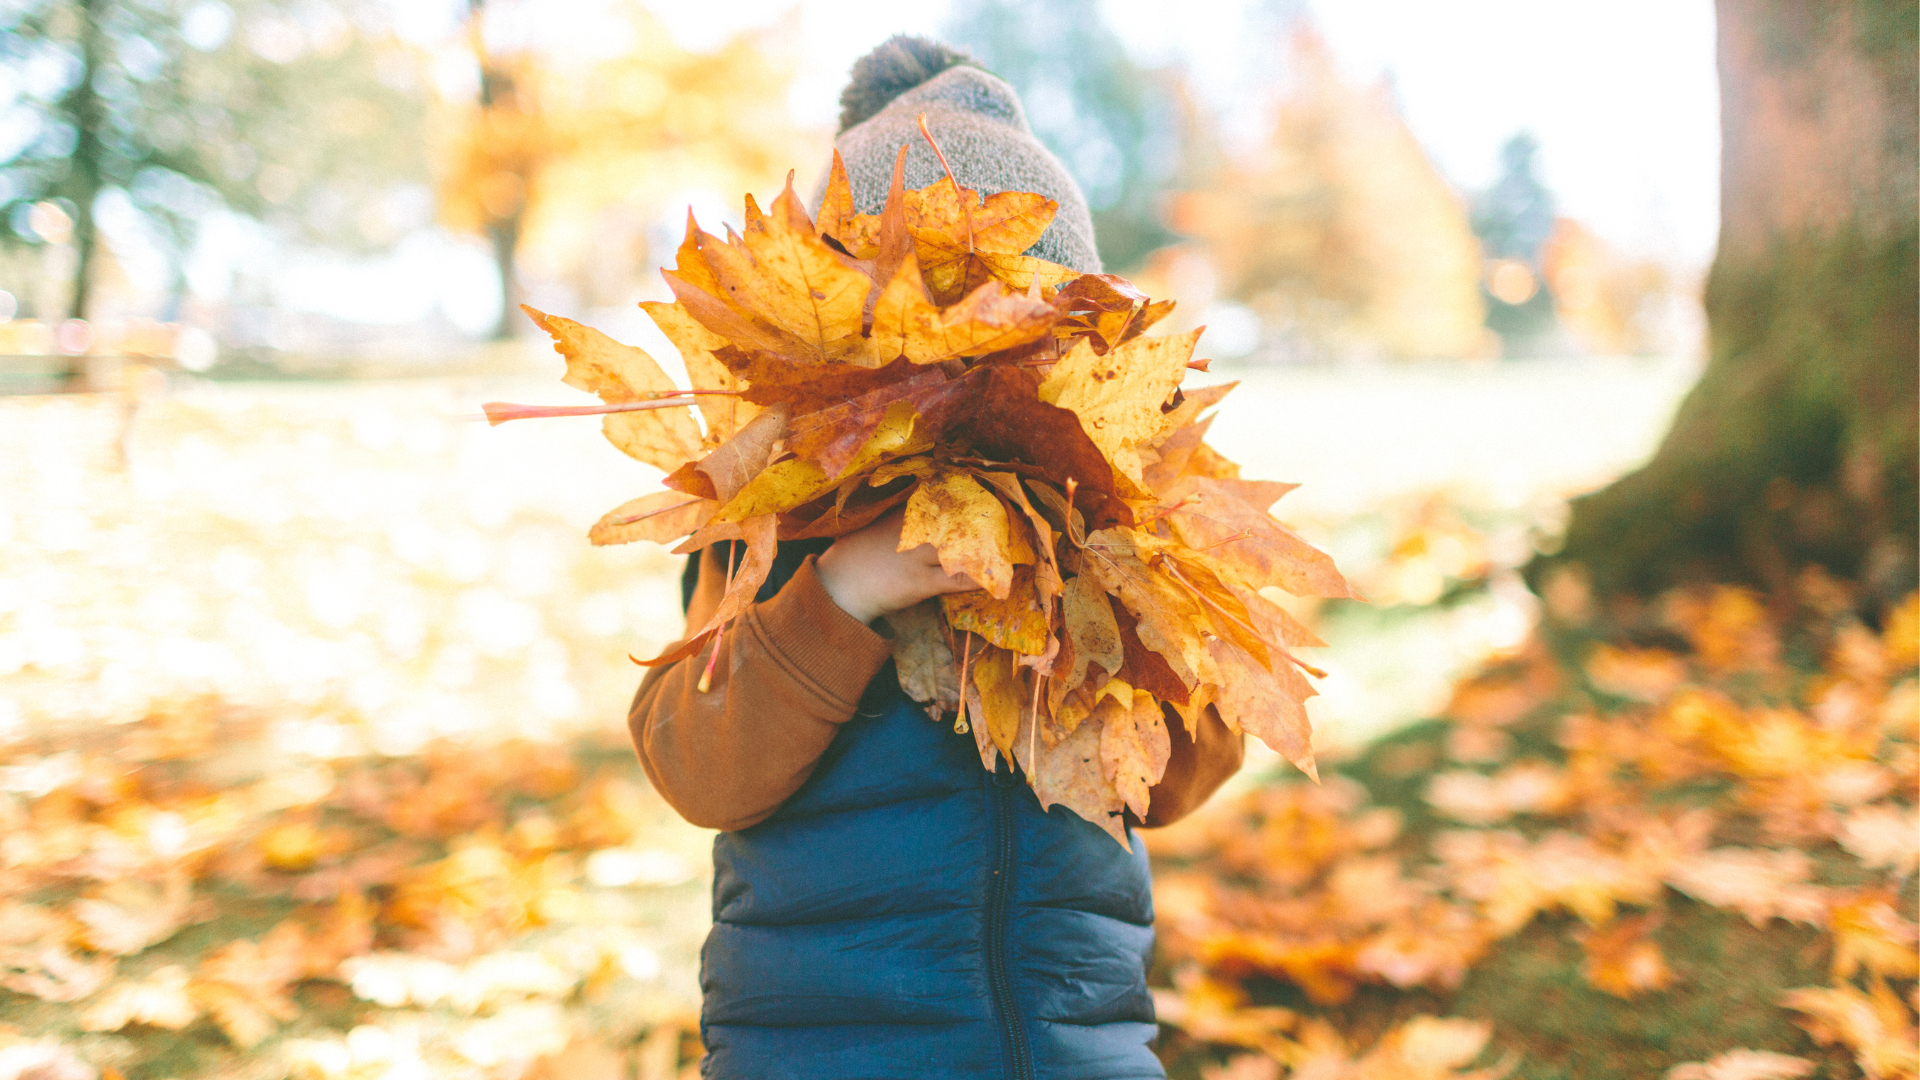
<point x="868" y="577"/>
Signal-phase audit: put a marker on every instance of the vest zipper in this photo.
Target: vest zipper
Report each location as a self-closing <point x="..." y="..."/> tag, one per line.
<point x="1018" y="1056"/>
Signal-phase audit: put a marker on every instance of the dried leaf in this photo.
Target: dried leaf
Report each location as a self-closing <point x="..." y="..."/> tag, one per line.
<point x="1016" y="622"/>
<point x="967" y="526"/>
<point x="1118" y="397"/>
<point x="741" y="458"/>
<point x="660" y="517"/>
<point x="724" y="414"/>
<point x="922" y="658"/>
<point x="1089" y="623"/>
<point x="619" y="374"/>
<point x="1001" y="701"/>
<point x="1624" y="960"/>
<point x="1134" y="747"/>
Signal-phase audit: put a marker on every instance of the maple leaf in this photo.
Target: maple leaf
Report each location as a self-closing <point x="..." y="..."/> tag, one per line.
<point x="1016" y="622"/>
<point x="621" y="374"/>
<point x="918" y="640"/>
<point x="128" y="916"/>
<point x="1249" y="542"/>
<point x="1090" y="625"/>
<point x="906" y="322"/>
<point x="725" y="413"/>
<point x="1760" y="884"/>
<point x="778" y="287"/>
<point x="1873" y="1026"/>
<point x="967" y="526"/>
<point x="1118" y="397"/>
<point x="1134" y="747"/>
<point x="1069" y="774"/>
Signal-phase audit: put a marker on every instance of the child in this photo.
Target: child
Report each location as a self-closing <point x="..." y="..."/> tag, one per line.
<point x="883" y="906"/>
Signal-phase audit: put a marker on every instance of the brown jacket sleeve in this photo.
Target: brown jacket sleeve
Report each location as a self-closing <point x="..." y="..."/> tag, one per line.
<point x="790" y="672"/>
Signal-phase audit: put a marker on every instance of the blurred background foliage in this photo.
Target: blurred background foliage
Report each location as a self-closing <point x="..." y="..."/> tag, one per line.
<point x="308" y="762"/>
<point x="323" y="186"/>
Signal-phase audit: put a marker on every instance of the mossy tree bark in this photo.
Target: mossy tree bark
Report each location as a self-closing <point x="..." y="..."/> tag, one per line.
<point x="1798" y="445"/>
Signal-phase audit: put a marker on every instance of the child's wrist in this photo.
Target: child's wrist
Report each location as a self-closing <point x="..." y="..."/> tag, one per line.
<point x="842" y="585"/>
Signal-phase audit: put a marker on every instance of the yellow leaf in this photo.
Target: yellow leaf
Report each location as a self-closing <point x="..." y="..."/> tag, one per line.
<point x="1089" y="621"/>
<point x="836" y="210"/>
<point x="620" y="374"/>
<point x="967" y="526"/>
<point x="1017" y="622"/>
<point x="781" y="271"/>
<point x="990" y="319"/>
<point x="1068" y="774"/>
<point x="776" y="489"/>
<point x="1118" y="396"/>
<point x="1000" y="698"/>
<point x="659" y="517"/>
<point x="724" y="414"/>
<point x="1134" y="747"/>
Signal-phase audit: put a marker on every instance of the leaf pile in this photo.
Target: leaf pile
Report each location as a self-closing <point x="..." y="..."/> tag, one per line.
<point x="1621" y="795"/>
<point x="1030" y="431"/>
<point x="170" y="907"/>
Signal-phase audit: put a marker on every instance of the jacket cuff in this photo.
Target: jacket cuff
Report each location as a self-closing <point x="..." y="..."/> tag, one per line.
<point x="815" y="639"/>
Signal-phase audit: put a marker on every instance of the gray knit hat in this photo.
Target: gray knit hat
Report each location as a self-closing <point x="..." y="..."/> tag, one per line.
<point x="980" y="126"/>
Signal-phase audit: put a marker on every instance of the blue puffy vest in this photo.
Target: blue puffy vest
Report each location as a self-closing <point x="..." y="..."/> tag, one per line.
<point x="908" y="915"/>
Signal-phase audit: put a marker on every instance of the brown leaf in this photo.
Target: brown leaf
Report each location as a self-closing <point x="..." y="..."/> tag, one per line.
<point x="1068" y="774"/>
<point x="659" y="517"/>
<point x="741" y="458"/>
<point x="1623" y="959"/>
<point x="762" y="537"/>
<point x="834" y="436"/>
<point x="998" y="414"/>
<point x="922" y="658"/>
<point x="619" y="374"/>
<point x="967" y="526"/>
<point x="1134" y="747"/>
<point x="1170" y="622"/>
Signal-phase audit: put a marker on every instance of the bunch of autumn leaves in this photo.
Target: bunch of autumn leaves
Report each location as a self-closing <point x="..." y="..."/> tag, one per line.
<point x="1034" y="436"/>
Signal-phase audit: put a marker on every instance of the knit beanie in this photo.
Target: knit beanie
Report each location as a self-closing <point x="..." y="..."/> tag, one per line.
<point x="980" y="126"/>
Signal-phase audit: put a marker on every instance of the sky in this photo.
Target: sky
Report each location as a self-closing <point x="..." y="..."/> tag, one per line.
<point x="1621" y="93"/>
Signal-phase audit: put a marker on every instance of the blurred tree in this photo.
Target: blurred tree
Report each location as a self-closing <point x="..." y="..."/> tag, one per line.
<point x="1513" y="219"/>
<point x="1339" y="232"/>
<point x="1608" y="302"/>
<point x="1114" y="126"/>
<point x="551" y="141"/>
<point x="291" y="113"/>
<point x="1798" y="445"/>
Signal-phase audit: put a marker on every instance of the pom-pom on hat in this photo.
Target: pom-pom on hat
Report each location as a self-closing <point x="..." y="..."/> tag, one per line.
<point x="978" y="121"/>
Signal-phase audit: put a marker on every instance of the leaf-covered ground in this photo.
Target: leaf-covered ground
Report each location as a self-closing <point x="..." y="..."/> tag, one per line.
<point x="309" y="765"/>
<point x="1680" y="840"/>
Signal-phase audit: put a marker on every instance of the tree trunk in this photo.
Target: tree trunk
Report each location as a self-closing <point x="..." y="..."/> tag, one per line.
<point x="1798" y="445"/>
